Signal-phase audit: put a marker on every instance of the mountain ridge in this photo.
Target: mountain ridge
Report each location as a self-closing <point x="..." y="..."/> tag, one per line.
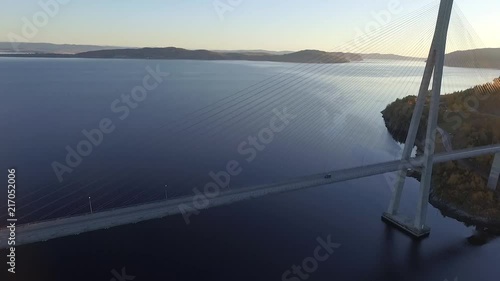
<point x="51" y="50"/>
<point x="476" y="58"/>
<point x="304" y="56"/>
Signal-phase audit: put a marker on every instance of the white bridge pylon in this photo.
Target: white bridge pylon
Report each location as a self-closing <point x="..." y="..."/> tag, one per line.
<point x="433" y="69"/>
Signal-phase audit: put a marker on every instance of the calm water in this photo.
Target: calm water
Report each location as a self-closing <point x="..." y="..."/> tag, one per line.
<point x="48" y="102"/>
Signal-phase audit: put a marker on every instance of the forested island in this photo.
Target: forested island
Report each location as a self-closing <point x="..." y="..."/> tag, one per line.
<point x="476" y="58"/>
<point x="467" y="118"/>
<point x="305" y="56"/>
<point x="172" y="53"/>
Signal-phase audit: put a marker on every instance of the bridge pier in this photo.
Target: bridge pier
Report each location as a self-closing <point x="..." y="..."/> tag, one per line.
<point x="406" y="224"/>
<point x="495" y="173"/>
<point x="434" y="67"/>
<point x="412" y="132"/>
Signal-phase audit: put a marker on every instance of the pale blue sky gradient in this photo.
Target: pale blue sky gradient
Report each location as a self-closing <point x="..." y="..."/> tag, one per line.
<point x="253" y="24"/>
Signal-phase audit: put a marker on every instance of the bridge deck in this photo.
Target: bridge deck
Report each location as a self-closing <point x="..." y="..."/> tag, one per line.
<point x="46" y="230"/>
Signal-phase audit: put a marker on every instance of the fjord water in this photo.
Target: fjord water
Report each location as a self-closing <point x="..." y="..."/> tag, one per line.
<point x="47" y="103"/>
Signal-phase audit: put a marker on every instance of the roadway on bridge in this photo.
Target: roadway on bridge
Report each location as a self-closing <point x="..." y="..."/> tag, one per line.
<point x="46" y="230"/>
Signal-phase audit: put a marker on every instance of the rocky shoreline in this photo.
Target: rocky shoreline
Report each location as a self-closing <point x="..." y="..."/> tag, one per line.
<point x="449" y="210"/>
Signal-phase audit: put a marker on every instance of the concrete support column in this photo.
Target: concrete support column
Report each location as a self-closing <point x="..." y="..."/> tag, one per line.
<point x="495" y="173"/>
<point x="412" y="131"/>
<point x="425" y="183"/>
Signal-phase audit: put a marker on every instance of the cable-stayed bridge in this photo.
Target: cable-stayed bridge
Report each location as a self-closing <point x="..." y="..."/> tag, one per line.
<point x="45" y="230"/>
<point x="51" y="229"/>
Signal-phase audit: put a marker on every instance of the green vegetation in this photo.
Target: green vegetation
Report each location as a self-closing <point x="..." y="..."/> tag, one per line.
<point x="471" y="118"/>
<point x="466" y="190"/>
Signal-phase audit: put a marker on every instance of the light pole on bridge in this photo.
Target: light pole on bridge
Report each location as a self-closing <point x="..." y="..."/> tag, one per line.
<point x="90" y="204"/>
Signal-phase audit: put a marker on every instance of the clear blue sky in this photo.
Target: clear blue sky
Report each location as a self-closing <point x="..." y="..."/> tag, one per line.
<point x="251" y="24"/>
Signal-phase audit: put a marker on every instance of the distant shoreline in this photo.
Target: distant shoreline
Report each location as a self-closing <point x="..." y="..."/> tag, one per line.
<point x="485" y="58"/>
<point x="56" y="56"/>
<point x="254" y="58"/>
<point x="173" y="53"/>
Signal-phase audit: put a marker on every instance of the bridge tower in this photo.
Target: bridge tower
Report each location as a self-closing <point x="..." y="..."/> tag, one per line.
<point x="433" y="69"/>
<point x="495" y="173"/>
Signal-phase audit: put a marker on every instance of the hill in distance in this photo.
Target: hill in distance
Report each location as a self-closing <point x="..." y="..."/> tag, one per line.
<point x="68" y="50"/>
<point x="48" y="48"/>
<point x="311" y="56"/>
<point x="305" y="56"/>
<point x="254" y="52"/>
<point x="478" y="58"/>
